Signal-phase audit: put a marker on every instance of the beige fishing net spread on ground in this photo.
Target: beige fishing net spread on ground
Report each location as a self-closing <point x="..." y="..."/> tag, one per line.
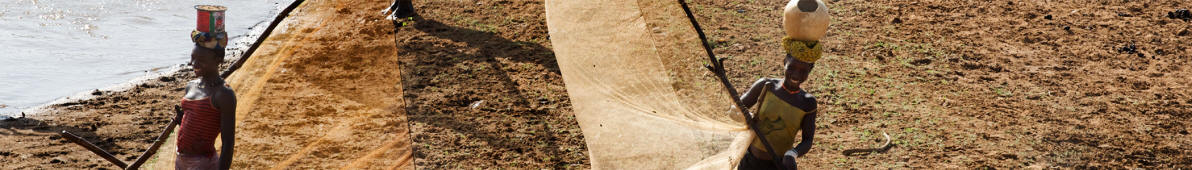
<point x="634" y="72"/>
<point x="322" y="92"/>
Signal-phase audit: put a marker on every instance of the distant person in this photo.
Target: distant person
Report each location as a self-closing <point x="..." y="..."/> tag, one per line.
<point x="785" y="109"/>
<point x="209" y="110"/>
<point x="401" y="10"/>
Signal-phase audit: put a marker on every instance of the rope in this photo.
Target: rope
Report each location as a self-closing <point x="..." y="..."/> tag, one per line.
<point x="264" y="35"/>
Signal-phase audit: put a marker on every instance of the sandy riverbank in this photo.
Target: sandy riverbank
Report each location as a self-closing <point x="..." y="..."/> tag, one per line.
<point x="122" y="119"/>
<point x="956" y="84"/>
<point x="344" y="87"/>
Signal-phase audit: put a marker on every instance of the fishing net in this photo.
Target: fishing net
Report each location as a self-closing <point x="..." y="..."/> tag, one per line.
<point x="319" y="94"/>
<point x="634" y="72"/>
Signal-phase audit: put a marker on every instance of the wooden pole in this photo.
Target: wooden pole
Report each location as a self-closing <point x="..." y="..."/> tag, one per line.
<point x="885" y="147"/>
<point x="717" y="68"/>
<point x="141" y="159"/>
<point x="94" y="149"/>
<point x="161" y="139"/>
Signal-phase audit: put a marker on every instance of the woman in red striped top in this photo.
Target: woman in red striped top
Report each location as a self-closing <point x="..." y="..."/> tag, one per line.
<point x="209" y="110"/>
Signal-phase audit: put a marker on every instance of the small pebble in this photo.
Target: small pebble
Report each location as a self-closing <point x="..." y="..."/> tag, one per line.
<point x="1182" y="14"/>
<point x="1128" y="48"/>
<point x="476" y="104"/>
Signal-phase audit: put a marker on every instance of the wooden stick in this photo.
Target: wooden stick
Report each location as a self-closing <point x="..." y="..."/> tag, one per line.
<point x="883" y="149"/>
<point x="761" y="99"/>
<point x="94" y="149"/>
<point x="141" y="159"/>
<point x="717" y="67"/>
<point x="161" y="139"/>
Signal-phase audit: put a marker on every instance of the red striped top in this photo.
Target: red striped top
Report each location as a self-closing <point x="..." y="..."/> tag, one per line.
<point x="199" y="127"/>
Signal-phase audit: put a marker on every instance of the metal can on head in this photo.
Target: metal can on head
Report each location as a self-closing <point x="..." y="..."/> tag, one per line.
<point x="210" y="18"/>
<point x="210" y="32"/>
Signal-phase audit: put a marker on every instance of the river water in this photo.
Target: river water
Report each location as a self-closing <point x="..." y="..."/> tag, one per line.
<point x="50" y="49"/>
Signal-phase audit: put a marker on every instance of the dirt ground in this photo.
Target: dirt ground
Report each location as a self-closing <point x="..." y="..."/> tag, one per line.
<point x="123" y="123"/>
<point x="998" y="84"/>
<point x="484" y="89"/>
<point x="324" y="93"/>
<point x="445" y="49"/>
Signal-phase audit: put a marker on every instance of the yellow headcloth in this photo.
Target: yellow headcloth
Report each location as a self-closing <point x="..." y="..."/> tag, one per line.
<point x="806" y="51"/>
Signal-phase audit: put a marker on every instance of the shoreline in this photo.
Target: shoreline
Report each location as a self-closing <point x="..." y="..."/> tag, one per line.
<point x="87" y="95"/>
<point x="123" y="119"/>
<point x="234" y="52"/>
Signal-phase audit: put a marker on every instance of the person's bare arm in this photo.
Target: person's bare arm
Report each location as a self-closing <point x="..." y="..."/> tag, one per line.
<point x="227" y="110"/>
<point x="750" y="97"/>
<point x="808" y="127"/>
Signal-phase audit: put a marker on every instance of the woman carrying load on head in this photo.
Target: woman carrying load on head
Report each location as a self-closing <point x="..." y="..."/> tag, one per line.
<point x="209" y="105"/>
<point x="784" y="108"/>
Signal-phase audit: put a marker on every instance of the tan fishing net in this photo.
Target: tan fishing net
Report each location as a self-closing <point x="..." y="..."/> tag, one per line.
<point x="634" y="71"/>
<point x="319" y="94"/>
